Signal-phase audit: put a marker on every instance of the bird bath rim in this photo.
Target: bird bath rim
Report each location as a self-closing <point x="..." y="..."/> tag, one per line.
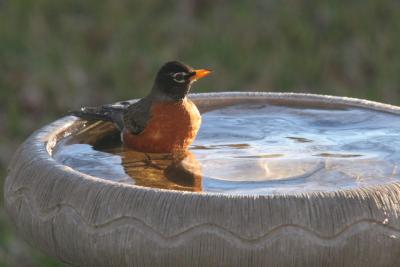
<point x="50" y="135"/>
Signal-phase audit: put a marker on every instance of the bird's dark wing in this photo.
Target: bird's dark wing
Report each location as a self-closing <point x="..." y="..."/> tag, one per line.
<point x="113" y="113"/>
<point x="136" y="116"/>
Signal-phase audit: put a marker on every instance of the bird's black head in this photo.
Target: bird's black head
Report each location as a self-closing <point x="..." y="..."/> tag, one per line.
<point x="174" y="79"/>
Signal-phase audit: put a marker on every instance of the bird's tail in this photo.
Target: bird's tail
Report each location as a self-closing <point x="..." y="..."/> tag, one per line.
<point x="104" y="113"/>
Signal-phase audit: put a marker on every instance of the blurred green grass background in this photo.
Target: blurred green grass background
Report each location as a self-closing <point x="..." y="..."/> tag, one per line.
<point x="59" y="55"/>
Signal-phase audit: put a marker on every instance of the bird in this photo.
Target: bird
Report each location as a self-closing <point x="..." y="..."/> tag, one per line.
<point x="164" y="121"/>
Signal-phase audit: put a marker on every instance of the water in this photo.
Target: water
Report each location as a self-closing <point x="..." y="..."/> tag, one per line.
<point x="258" y="149"/>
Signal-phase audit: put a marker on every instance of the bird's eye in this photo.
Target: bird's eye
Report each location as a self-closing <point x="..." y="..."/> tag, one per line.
<point x="179" y="77"/>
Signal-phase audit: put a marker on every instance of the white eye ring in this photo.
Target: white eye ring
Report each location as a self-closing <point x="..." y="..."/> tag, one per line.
<point x="179" y="77"/>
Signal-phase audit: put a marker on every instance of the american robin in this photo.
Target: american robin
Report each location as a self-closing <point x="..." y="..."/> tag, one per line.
<point x="164" y="121"/>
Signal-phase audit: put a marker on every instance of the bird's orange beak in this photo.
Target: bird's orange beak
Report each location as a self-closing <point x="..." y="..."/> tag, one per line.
<point x="200" y="74"/>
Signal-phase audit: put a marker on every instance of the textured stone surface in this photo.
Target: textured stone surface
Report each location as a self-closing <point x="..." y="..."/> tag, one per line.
<point x="87" y="221"/>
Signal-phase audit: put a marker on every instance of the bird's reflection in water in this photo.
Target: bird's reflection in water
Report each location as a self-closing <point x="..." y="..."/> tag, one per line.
<point x="180" y="171"/>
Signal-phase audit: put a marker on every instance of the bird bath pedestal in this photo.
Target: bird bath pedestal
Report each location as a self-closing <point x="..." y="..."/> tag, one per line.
<point x="89" y="221"/>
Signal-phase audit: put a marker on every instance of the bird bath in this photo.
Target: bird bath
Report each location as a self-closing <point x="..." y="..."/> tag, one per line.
<point x="275" y="179"/>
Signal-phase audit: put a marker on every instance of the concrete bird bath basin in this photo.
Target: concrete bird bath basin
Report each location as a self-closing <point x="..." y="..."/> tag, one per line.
<point x="87" y="220"/>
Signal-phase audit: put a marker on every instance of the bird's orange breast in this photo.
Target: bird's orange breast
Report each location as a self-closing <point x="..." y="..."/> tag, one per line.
<point x="173" y="126"/>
